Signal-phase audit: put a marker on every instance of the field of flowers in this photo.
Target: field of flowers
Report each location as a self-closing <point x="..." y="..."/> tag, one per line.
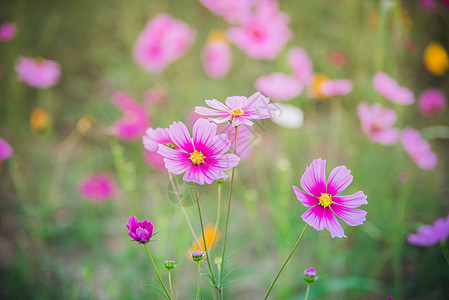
<point x="224" y="149"/>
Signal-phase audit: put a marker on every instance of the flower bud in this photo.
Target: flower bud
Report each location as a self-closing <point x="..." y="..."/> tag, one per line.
<point x="221" y="180"/>
<point x="197" y="255"/>
<point x="169" y="264"/>
<point x="310" y="275"/>
<point x="218" y="261"/>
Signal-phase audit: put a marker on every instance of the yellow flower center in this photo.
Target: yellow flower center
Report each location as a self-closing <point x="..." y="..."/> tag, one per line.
<point x="315" y="88"/>
<point x="236" y="112"/>
<point x="197" y="157"/>
<point x="325" y="200"/>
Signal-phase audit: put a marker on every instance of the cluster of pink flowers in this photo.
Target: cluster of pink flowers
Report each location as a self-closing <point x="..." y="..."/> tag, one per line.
<point x="135" y="118"/>
<point x="389" y="88"/>
<point x="97" y="188"/>
<point x="377" y="123"/>
<point x="7" y="31"/>
<point x="39" y="72"/>
<point x="163" y="41"/>
<point x="429" y="235"/>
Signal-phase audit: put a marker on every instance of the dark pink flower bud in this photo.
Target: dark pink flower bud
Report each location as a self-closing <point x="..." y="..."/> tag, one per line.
<point x="310" y="275"/>
<point x="140" y="231"/>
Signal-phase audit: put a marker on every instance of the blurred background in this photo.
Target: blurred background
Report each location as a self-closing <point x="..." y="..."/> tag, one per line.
<point x="57" y="243"/>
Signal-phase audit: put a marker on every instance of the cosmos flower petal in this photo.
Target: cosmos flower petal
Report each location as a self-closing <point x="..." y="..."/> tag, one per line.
<point x="176" y="162"/>
<point x="351" y="216"/>
<point x="314" y="178"/>
<point x="221" y="119"/>
<point x="224" y="162"/>
<point x="214" y="103"/>
<point x="219" y="145"/>
<point x="351" y="201"/>
<point x="181" y="136"/>
<point x="339" y="179"/>
<point x="235" y="102"/>
<point x="429" y="235"/>
<point x="194" y="174"/>
<point x="314" y="217"/>
<point x="332" y="225"/>
<point x="306" y="199"/>
<point x="205" y="111"/>
<point x="203" y="134"/>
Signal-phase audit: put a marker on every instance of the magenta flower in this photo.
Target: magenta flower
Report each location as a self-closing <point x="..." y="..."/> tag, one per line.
<point x="140" y="231"/>
<point x="432" y="102"/>
<point x="39" y="73"/>
<point x="233" y="11"/>
<point x="7" y="31"/>
<point x="389" y="88"/>
<point x="429" y="235"/>
<point x="200" y="157"/>
<point x="263" y="32"/>
<point x="216" y="56"/>
<point x="163" y="41"/>
<point x="418" y="149"/>
<point x="377" y="122"/>
<point x="300" y="64"/>
<point x="97" y="188"/>
<point x="279" y="86"/>
<point x="336" y="87"/>
<point x="5" y="149"/>
<point x="134" y="121"/>
<point x="324" y="201"/>
<point x="151" y="141"/>
<point x="239" y="109"/>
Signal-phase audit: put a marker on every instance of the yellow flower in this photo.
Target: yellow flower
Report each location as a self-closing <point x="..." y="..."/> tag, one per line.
<point x="209" y="233"/>
<point x="40" y="119"/>
<point x="436" y="59"/>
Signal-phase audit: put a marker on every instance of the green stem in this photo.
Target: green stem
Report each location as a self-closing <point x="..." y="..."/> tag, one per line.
<point x="286" y="261"/>
<point x="204" y="238"/>
<point x="199" y="281"/>
<point x="218" y="216"/>
<point x="157" y="273"/>
<point x="169" y="284"/>
<point x="307" y="292"/>
<point x="445" y="252"/>
<point x="227" y="219"/>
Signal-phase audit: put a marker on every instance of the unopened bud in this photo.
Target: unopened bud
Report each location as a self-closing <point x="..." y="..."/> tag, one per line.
<point x="197" y="255"/>
<point x="169" y="264"/>
<point x="310" y="275"/>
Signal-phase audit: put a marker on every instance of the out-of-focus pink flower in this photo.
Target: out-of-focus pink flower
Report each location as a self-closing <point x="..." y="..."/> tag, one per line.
<point x="156" y="96"/>
<point x="389" y="88"/>
<point x="418" y="149"/>
<point x="325" y="203"/>
<point x="432" y="102"/>
<point x="338" y="58"/>
<point x="301" y="65"/>
<point x="336" y="87"/>
<point x="163" y="41"/>
<point x="135" y="118"/>
<point x="233" y="11"/>
<point x="377" y="122"/>
<point x="263" y="32"/>
<point x="151" y="141"/>
<point x="200" y="157"/>
<point x="141" y="232"/>
<point x="5" y="149"/>
<point x="216" y="55"/>
<point x="7" y="31"/>
<point x="244" y="138"/>
<point x="39" y="72"/>
<point x="428" y="5"/>
<point x="239" y="109"/>
<point x="97" y="188"/>
<point x="279" y="86"/>
<point x="429" y="235"/>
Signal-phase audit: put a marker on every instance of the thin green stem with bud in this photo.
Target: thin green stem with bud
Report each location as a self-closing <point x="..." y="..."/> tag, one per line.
<point x="204" y="238"/>
<point x="286" y="261"/>
<point x="227" y="219"/>
<point x="199" y="281"/>
<point x="157" y="273"/>
<point x="307" y="292"/>
<point x="169" y="284"/>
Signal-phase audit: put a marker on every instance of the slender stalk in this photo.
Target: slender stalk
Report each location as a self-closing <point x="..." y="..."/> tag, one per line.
<point x="307" y="292"/>
<point x="204" y="238"/>
<point x="445" y="252"/>
<point x="286" y="261"/>
<point x="218" y="216"/>
<point x="199" y="281"/>
<point x="227" y="218"/>
<point x="157" y="273"/>
<point x="169" y="284"/>
<point x="170" y="176"/>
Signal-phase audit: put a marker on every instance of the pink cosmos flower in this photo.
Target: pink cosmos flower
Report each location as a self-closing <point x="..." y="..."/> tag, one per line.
<point x="239" y="109"/>
<point x="336" y="87"/>
<point x="200" y="157"/>
<point x="418" y="149"/>
<point x="216" y="56"/>
<point x="39" y="73"/>
<point x="300" y="64"/>
<point x="324" y="201"/>
<point x="389" y="88"/>
<point x="5" y="149"/>
<point x="163" y="41"/>
<point x="155" y="96"/>
<point x="233" y="11"/>
<point x="244" y="138"/>
<point x="376" y="123"/>
<point x="432" y="102"/>
<point x="134" y="121"/>
<point x="429" y="235"/>
<point x="263" y="32"/>
<point x="151" y="141"/>
<point x="7" y="31"/>
<point x="97" y="188"/>
<point x="279" y="86"/>
<point x="139" y="231"/>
